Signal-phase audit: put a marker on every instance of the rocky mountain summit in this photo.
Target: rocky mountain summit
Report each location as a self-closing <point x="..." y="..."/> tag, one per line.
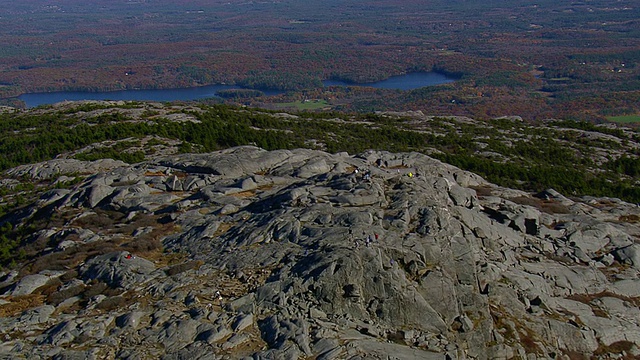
<point x="301" y="254"/>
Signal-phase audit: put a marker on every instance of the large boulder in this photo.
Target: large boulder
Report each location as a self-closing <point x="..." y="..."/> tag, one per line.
<point x="629" y="255"/>
<point x="117" y="269"/>
<point x="30" y="283"/>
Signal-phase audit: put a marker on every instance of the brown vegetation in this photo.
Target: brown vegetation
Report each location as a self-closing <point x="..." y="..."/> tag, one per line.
<point x="629" y="218"/>
<point x="112" y="303"/>
<point x="180" y="268"/>
<point x="547" y="206"/>
<point x="619" y="347"/>
<point x="588" y="298"/>
<point x="18" y="304"/>
<point x="482" y="191"/>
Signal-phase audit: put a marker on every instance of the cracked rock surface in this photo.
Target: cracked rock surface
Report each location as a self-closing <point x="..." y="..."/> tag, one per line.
<point x="300" y="254"/>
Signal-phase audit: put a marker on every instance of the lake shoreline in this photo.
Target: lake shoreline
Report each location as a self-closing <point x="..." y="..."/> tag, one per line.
<point x="400" y="82"/>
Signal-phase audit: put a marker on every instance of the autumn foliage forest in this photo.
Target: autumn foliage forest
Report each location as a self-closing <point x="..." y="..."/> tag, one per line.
<point x="543" y="59"/>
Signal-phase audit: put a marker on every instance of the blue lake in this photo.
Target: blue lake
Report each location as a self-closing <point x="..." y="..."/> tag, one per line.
<point x="403" y="82"/>
<point x="184" y="94"/>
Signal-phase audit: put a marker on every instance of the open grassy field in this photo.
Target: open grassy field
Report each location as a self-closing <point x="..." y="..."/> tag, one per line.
<point x="625" y="118"/>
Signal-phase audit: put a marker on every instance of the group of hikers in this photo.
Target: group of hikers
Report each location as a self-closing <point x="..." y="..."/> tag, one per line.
<point x="368" y="239"/>
<point x="366" y="176"/>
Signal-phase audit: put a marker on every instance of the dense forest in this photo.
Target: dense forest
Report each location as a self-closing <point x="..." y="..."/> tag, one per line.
<point x="550" y="59"/>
